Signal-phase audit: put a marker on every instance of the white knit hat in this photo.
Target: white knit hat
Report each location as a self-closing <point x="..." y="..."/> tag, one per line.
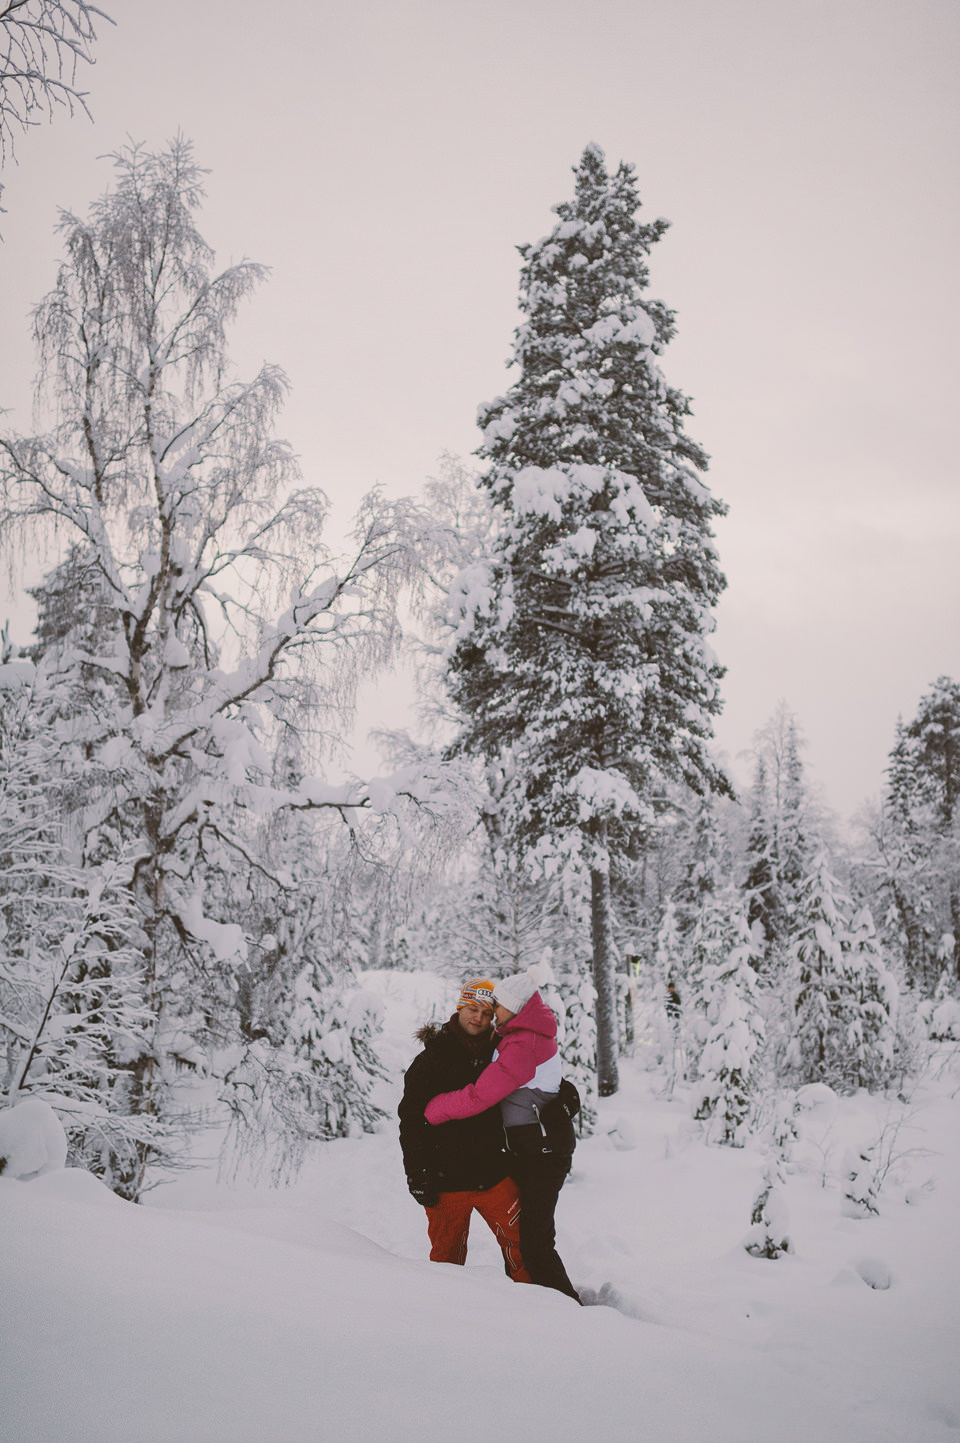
<point x="515" y="992"/>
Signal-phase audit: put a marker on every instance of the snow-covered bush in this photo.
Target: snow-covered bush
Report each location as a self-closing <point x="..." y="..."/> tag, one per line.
<point x="330" y="1036"/>
<point x="572" y="997"/>
<point x="942" y="1012"/>
<point x="315" y="1086"/>
<point x="32" y="1140"/>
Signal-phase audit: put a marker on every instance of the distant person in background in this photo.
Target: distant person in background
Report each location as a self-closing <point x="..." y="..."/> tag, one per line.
<point x="462" y="1167"/>
<point x="673" y="1007"/>
<point x="525" y="1079"/>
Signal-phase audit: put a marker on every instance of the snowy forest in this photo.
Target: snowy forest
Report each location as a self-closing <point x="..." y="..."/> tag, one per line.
<point x="195" y="899"/>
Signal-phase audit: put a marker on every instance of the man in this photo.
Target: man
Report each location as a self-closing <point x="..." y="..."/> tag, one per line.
<point x="461" y="1166"/>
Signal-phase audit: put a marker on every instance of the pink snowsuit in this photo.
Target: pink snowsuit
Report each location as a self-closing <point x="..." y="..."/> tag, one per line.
<point x="526" y="1057"/>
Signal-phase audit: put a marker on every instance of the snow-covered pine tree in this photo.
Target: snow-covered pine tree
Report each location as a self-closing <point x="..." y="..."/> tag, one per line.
<point x="873" y="1032"/>
<point x="769" y="1235"/>
<point x="571" y="995"/>
<point x="826" y="992"/>
<point x="782" y="836"/>
<point x="900" y="863"/>
<point x="582" y="645"/>
<point x="727" y="1069"/>
<point x="760" y="880"/>
<point x="702" y="871"/>
<point x="941" y="1014"/>
<point x="910" y="870"/>
<point x="71" y="1006"/>
<point x="925" y="793"/>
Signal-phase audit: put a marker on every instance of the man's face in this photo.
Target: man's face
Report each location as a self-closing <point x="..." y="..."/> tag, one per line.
<point x="475" y="1019"/>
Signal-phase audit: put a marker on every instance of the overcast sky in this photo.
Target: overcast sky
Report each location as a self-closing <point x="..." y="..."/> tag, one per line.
<point x="385" y="157"/>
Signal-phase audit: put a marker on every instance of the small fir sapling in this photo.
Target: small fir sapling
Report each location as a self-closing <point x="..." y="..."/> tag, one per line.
<point x="783" y="1132"/>
<point x="769" y="1235"/>
<point x="942" y="1013"/>
<point x="860" y="1186"/>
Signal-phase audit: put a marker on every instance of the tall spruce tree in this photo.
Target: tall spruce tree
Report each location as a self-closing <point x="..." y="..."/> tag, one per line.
<point x="581" y="646"/>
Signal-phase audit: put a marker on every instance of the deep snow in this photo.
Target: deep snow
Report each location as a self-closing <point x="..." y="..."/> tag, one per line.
<point x="245" y="1315"/>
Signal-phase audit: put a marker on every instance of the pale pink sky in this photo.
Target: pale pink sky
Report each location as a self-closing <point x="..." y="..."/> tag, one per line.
<point x="384" y="157"/>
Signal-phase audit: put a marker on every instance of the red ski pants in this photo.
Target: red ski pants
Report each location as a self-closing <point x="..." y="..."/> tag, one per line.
<point x="449" y="1223"/>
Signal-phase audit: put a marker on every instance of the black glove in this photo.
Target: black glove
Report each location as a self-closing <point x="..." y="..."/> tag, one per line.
<point x="423" y="1190"/>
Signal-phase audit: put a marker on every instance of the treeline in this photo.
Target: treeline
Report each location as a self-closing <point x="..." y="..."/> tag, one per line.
<point x="758" y="948"/>
<point x="186" y="900"/>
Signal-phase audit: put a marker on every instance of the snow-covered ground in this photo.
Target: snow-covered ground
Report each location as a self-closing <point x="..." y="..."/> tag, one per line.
<point x="245" y="1315"/>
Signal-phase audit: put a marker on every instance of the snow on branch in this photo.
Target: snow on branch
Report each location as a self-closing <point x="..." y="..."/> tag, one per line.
<point x="42" y="43"/>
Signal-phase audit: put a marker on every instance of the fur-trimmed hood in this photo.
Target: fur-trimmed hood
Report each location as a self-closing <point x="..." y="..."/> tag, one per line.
<point x="429" y="1033"/>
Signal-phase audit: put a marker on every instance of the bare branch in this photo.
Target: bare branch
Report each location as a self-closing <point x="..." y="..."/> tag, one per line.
<point x="42" y="44"/>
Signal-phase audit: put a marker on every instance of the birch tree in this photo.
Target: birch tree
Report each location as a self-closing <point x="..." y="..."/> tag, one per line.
<point x="220" y="613"/>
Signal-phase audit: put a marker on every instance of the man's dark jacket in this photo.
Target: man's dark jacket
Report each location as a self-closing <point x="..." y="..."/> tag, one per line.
<point x="464" y="1156"/>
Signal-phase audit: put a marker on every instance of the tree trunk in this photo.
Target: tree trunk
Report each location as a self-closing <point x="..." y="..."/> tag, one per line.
<point x="608" y="1080"/>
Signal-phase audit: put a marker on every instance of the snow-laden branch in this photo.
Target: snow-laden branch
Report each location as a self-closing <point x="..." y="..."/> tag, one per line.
<point x="42" y="43"/>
